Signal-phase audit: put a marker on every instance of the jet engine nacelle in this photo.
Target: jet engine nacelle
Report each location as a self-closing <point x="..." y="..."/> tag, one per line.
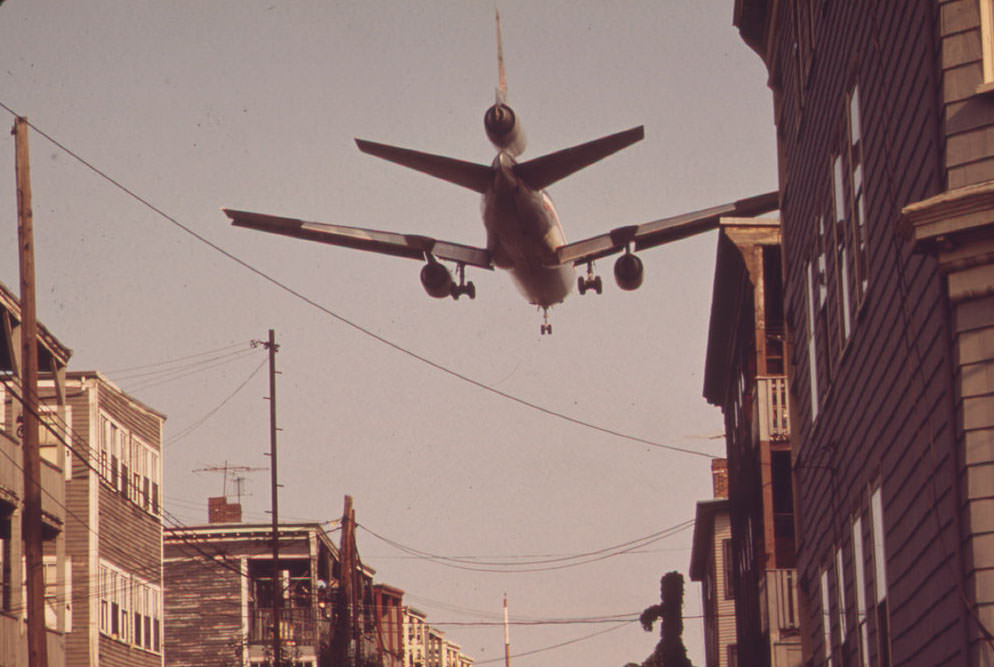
<point x="503" y="129"/>
<point x="628" y="272"/>
<point x="436" y="280"/>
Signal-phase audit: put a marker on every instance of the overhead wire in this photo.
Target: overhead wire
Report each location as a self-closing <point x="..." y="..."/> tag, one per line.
<point x="535" y="565"/>
<point x="348" y="322"/>
<point x="200" y="422"/>
<point x="129" y="369"/>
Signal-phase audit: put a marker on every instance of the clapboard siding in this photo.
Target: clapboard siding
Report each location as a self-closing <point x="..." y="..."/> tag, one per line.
<point x="969" y="117"/>
<point x="205" y="606"/>
<point x="80" y="535"/>
<point x="885" y="413"/>
<point x="103" y="525"/>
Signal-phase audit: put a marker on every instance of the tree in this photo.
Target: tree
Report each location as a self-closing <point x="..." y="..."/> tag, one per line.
<point x="670" y="651"/>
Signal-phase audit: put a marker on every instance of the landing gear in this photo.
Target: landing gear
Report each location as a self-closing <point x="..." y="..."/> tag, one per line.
<point x="546" y="328"/>
<point x="467" y="288"/>
<point x="590" y="281"/>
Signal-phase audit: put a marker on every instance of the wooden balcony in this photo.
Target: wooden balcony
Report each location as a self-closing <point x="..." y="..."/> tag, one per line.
<point x="774" y="408"/>
<point x="778" y="597"/>
<point x="299" y="625"/>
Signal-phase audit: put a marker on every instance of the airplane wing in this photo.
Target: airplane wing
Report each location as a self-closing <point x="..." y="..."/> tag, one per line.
<point x="658" y="232"/>
<point x="388" y="243"/>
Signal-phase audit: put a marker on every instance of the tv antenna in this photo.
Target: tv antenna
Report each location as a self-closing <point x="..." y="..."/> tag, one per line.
<point x="231" y="472"/>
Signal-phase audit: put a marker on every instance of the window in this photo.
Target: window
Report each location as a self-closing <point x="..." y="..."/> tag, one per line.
<point x="858" y="570"/>
<point x="130" y="608"/>
<point x="5" y="573"/>
<point x="826" y="618"/>
<point x="840" y="590"/>
<point x="850" y="214"/>
<point x="105" y="447"/>
<point x="728" y="559"/>
<point x="103" y="590"/>
<point x="115" y="453"/>
<point x="130" y="465"/>
<point x="880" y="578"/>
<point x="57" y="596"/>
<point x="53" y="433"/>
<point x="812" y="343"/>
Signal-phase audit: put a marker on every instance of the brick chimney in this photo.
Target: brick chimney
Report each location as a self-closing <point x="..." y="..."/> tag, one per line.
<point x="719" y="477"/>
<point x="219" y="510"/>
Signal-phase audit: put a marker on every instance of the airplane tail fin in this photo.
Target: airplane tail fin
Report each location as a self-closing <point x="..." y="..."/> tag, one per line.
<point x="476" y="177"/>
<point x="501" y="97"/>
<point x="538" y="173"/>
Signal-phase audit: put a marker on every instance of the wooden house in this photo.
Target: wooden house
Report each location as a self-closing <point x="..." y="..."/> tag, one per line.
<point x="711" y="563"/>
<point x="745" y="376"/>
<point x="55" y="463"/>
<point x="219" y="594"/>
<point x="884" y="123"/>
<point x="114" y="536"/>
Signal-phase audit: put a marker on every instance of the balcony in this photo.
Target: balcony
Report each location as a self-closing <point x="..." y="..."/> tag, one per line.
<point x="297" y="624"/>
<point x="778" y="598"/>
<point x="774" y="409"/>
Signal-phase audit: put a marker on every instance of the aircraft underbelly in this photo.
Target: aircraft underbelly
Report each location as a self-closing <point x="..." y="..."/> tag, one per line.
<point x="523" y="233"/>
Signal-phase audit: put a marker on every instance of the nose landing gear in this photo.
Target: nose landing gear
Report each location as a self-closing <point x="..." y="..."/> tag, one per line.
<point x="546" y="328"/>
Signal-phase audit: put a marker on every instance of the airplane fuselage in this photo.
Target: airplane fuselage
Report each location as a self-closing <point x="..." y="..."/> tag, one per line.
<point x="523" y="232"/>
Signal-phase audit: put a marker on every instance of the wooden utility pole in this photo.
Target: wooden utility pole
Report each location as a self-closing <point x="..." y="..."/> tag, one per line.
<point x="345" y="632"/>
<point x="277" y="584"/>
<point x="31" y="521"/>
<point x="507" y="637"/>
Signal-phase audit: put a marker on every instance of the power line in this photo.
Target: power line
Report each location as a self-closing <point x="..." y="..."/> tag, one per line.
<point x="197" y="424"/>
<point x="535" y="565"/>
<point x="343" y="320"/>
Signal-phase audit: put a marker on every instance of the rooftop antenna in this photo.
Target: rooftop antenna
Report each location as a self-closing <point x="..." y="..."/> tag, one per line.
<point x="231" y="470"/>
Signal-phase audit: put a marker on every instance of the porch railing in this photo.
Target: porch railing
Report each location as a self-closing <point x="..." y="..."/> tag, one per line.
<point x="774" y="408"/>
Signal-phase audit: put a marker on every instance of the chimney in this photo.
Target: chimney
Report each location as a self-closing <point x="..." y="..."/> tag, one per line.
<point x="219" y="510"/>
<point x="719" y="477"/>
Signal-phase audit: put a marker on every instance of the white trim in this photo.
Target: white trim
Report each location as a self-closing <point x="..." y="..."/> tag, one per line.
<point x="987" y="38"/>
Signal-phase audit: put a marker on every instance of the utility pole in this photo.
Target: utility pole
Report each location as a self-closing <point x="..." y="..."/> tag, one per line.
<point x="277" y="584"/>
<point x="346" y="633"/>
<point x="507" y="637"/>
<point x="31" y="523"/>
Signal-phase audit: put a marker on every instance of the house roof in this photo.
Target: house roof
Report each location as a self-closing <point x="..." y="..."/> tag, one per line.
<point x="732" y="287"/>
<point x="49" y="346"/>
<point x="703" y="530"/>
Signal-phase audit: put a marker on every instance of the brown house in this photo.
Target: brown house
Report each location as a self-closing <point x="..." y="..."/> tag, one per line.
<point x="745" y="376"/>
<point x="885" y="123"/>
<point x="219" y="594"/>
<point x="52" y="356"/>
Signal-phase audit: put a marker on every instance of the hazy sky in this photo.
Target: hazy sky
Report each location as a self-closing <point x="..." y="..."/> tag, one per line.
<point x="195" y="105"/>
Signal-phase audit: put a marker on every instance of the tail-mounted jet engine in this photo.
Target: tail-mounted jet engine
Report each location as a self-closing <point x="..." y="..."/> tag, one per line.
<point x="628" y="271"/>
<point x="503" y="129"/>
<point x="438" y="283"/>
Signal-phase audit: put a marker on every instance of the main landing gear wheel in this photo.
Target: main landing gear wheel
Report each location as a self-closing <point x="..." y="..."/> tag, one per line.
<point x="590" y="282"/>
<point x="546" y="327"/>
<point x="467" y="288"/>
<point x="594" y="283"/>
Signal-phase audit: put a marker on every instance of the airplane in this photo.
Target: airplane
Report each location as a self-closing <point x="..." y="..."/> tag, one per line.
<point x="523" y="232"/>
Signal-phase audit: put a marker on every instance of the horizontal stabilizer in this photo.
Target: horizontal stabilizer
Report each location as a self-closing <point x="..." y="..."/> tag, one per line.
<point x="470" y="175"/>
<point x="541" y="172"/>
<point x="412" y="246"/>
